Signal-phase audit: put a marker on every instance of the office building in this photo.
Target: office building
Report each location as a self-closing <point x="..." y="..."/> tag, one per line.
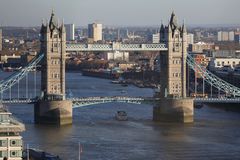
<point x="116" y="55"/>
<point x="156" y="38"/>
<point x="231" y="36"/>
<point x="217" y="63"/>
<point x="237" y="37"/>
<point x="11" y="145"/>
<point x="95" y="32"/>
<point x="190" y="38"/>
<point x="0" y="39"/>
<point x="225" y="36"/>
<point x="200" y="47"/>
<point x="70" y="32"/>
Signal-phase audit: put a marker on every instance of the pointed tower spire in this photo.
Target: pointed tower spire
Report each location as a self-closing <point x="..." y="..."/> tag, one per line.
<point x="162" y="27"/>
<point x="184" y="28"/>
<point x="173" y="21"/>
<point x="63" y="27"/>
<point x="53" y="23"/>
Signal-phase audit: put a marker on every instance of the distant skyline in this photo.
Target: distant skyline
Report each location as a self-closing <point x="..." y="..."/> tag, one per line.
<point x="120" y="12"/>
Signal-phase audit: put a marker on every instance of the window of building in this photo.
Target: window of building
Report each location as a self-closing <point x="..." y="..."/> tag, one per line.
<point x="15" y="142"/>
<point x="55" y="36"/>
<point x="3" y="154"/>
<point x="15" y="153"/>
<point x="3" y="143"/>
<point x="55" y="47"/>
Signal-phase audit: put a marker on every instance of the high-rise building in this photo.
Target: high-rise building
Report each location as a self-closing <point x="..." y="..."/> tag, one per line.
<point x="225" y="36"/>
<point x="155" y="38"/>
<point x="0" y="39"/>
<point x="190" y="38"/>
<point x="231" y="36"/>
<point x="70" y="32"/>
<point x="237" y="37"/>
<point x="95" y="32"/>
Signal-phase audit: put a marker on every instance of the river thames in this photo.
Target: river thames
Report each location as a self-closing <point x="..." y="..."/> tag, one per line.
<point x="215" y="134"/>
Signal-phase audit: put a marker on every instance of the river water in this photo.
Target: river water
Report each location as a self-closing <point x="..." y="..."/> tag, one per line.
<point x="215" y="134"/>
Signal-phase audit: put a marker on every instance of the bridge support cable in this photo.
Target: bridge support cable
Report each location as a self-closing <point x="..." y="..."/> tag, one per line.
<point x="211" y="92"/>
<point x="14" y="78"/>
<point x="219" y="92"/>
<point x="188" y="84"/>
<point x="26" y="85"/>
<point x="195" y="84"/>
<point x="18" y="95"/>
<point x="203" y="87"/>
<point x="213" y="79"/>
<point x="35" y="80"/>
<point x="10" y="93"/>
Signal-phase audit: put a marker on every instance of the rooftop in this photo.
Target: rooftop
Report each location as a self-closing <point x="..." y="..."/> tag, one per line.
<point x="8" y="123"/>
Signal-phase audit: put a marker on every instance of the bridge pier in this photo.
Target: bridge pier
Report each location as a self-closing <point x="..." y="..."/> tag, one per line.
<point x="57" y="112"/>
<point x="174" y="110"/>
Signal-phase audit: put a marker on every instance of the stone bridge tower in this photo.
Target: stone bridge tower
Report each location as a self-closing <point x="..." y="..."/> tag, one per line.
<point x="52" y="107"/>
<point x="53" y="45"/>
<point x="174" y="106"/>
<point x="173" y="61"/>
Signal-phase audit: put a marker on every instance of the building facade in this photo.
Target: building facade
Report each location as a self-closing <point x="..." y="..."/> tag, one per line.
<point x="225" y="36"/>
<point x="116" y="55"/>
<point x="218" y="63"/>
<point x="0" y="39"/>
<point x="200" y="47"/>
<point x="237" y="37"/>
<point x="155" y="38"/>
<point x="70" y="32"/>
<point x="53" y="45"/>
<point x="190" y="38"/>
<point x="11" y="144"/>
<point x="95" y="32"/>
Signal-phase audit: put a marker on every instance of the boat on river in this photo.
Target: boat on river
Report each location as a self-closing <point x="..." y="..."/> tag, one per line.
<point x="121" y="116"/>
<point x="36" y="154"/>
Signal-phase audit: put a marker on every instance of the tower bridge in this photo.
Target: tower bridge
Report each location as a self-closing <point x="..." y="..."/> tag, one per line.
<point x="52" y="106"/>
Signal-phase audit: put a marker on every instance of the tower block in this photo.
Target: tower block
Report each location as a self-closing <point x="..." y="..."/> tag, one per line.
<point x="52" y="108"/>
<point x="173" y="106"/>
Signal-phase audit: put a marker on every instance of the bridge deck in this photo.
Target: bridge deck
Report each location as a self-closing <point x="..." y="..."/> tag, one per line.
<point x="136" y="100"/>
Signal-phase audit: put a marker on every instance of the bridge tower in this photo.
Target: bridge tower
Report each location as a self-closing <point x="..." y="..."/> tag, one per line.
<point x="52" y="107"/>
<point x="174" y="105"/>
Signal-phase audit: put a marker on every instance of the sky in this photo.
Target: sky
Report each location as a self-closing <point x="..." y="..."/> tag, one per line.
<point x="119" y="12"/>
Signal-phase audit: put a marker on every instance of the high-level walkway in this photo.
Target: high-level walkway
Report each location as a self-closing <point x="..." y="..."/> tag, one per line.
<point x="115" y="47"/>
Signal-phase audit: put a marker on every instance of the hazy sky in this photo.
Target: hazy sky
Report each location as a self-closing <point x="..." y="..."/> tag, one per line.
<point x="119" y="12"/>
